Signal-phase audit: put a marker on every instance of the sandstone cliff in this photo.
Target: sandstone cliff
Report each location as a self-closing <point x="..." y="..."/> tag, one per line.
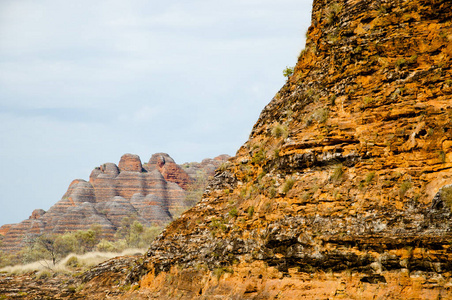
<point x="342" y="189"/>
<point x="153" y="192"/>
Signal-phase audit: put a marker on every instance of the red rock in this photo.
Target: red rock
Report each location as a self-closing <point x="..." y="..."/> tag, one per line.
<point x="169" y="169"/>
<point x="37" y="213"/>
<point x="81" y="217"/>
<point x="15" y="237"/>
<point x="130" y="162"/>
<point x="118" y="208"/>
<point x="5" y="228"/>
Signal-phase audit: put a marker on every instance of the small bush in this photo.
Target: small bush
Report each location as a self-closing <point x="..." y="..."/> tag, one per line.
<point x="369" y="177"/>
<point x="218" y="272"/>
<point x="258" y="157"/>
<point x="43" y="275"/>
<point x="400" y="62"/>
<point x="288" y="184"/>
<point x="332" y="12"/>
<point x="72" y="262"/>
<point x="218" y="224"/>
<point x="279" y="130"/>
<point x="288" y="71"/>
<point x="233" y="212"/>
<point x="224" y="166"/>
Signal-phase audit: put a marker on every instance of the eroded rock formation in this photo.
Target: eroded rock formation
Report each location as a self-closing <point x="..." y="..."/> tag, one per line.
<point x="112" y="193"/>
<point x="342" y="185"/>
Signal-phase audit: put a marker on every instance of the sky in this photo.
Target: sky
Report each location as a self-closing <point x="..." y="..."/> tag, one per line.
<point x="83" y="82"/>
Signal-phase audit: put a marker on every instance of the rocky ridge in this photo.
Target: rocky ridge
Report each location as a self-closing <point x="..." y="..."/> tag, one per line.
<point x="152" y="193"/>
<point x="344" y="181"/>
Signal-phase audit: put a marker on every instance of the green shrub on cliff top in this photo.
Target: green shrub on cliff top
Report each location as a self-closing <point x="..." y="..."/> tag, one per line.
<point x="288" y="71"/>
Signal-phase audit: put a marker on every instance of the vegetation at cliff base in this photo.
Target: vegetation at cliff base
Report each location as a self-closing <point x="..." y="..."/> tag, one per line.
<point x="50" y="249"/>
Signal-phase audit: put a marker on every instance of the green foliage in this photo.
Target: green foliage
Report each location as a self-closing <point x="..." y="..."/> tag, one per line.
<point x="400" y="62"/>
<point x="288" y="71"/>
<point x="8" y="259"/>
<point x="133" y="234"/>
<point x="196" y="189"/>
<point x="218" y="272"/>
<point x="367" y="100"/>
<point x="217" y="224"/>
<point x="233" y="212"/>
<point x="73" y="262"/>
<point x="224" y="166"/>
<point x="258" y="157"/>
<point x="52" y="248"/>
<point x="41" y="248"/>
<point x="108" y="246"/>
<point x="87" y="239"/>
<point x="288" y="184"/>
<point x="67" y="243"/>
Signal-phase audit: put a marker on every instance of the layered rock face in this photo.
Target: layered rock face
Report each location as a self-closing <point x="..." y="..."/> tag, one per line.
<point x="169" y="169"/>
<point x="206" y="166"/>
<point x="342" y="189"/>
<point x="112" y="193"/>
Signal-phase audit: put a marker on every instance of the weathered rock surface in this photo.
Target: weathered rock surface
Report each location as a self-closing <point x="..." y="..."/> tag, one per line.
<point x="346" y="172"/>
<point x="112" y="193"/>
<point x="206" y="166"/>
<point x="169" y="169"/>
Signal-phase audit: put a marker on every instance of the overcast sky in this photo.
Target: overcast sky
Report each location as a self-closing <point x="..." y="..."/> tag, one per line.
<point x="83" y="82"/>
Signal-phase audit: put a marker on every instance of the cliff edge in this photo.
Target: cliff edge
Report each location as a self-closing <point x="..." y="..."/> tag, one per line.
<point x="343" y="188"/>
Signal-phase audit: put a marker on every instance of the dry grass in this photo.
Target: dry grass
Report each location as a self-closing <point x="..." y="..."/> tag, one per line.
<point x="84" y="260"/>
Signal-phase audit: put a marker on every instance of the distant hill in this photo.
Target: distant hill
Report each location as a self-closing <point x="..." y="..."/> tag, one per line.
<point x="153" y="192"/>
